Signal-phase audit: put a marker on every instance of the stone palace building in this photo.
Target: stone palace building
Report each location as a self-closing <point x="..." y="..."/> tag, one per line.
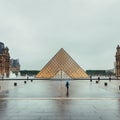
<point x="117" y="63"/>
<point x="4" y="60"/>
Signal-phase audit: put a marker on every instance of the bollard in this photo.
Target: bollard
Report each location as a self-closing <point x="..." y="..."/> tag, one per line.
<point x="98" y="78"/>
<point x="25" y="82"/>
<point x="15" y="84"/>
<point x="109" y="78"/>
<point x="96" y="81"/>
<point x="90" y="78"/>
<point x="105" y="84"/>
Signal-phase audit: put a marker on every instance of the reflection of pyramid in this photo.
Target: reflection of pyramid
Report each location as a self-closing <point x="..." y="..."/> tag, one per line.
<point x="62" y="62"/>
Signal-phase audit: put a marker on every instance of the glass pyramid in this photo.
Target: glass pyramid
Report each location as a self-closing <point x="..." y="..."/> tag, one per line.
<point x="62" y="62"/>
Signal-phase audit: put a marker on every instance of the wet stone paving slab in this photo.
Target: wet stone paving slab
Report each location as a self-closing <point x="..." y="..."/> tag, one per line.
<point x="47" y="100"/>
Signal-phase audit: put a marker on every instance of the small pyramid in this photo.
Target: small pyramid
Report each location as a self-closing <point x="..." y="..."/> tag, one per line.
<point x="62" y="61"/>
<point x="61" y="75"/>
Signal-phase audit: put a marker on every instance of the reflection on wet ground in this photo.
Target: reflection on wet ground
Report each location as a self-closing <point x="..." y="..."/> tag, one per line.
<point x="49" y="100"/>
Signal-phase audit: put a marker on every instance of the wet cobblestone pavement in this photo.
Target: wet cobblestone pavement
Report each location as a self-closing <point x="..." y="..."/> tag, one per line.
<point x="47" y="100"/>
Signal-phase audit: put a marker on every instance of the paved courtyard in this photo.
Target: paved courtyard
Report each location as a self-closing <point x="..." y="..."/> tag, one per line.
<point x="48" y="100"/>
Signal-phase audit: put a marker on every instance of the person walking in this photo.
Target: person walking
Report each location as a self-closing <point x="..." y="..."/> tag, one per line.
<point x="67" y="85"/>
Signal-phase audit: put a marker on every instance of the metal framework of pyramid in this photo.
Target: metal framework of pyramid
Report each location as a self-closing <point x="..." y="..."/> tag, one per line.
<point x="62" y="62"/>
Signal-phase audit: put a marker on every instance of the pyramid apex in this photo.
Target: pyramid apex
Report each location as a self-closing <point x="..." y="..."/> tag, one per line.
<point x="61" y="49"/>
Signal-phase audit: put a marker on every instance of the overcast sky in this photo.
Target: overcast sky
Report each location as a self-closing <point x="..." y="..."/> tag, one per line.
<point x="34" y="30"/>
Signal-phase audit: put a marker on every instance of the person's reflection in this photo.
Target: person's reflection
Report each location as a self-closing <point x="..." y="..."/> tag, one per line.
<point x="67" y="93"/>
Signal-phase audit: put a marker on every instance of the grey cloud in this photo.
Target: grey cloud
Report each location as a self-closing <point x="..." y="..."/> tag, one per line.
<point x="34" y="30"/>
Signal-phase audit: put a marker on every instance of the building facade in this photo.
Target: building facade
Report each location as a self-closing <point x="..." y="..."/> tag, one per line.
<point x="4" y="60"/>
<point x="117" y="63"/>
<point x="15" y="66"/>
